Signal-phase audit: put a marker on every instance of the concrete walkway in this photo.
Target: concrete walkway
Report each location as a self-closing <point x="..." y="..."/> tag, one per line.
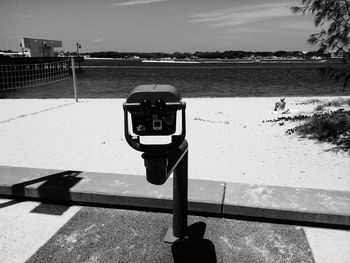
<point x="39" y="232"/>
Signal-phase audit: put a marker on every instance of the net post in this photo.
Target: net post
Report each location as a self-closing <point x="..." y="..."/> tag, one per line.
<point x="74" y="81"/>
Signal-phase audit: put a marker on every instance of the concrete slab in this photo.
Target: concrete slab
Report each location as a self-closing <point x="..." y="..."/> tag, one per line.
<point x="105" y="189"/>
<point x="112" y="235"/>
<point x="329" y="245"/>
<point x="286" y="203"/>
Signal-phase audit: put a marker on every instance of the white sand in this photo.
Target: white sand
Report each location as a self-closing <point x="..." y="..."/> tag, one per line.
<point x="228" y="141"/>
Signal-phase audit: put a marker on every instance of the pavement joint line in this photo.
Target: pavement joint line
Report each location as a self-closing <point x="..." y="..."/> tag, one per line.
<point x="223" y="199"/>
<point x="320" y="207"/>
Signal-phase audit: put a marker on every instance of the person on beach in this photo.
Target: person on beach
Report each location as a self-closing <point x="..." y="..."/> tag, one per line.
<point x="280" y="105"/>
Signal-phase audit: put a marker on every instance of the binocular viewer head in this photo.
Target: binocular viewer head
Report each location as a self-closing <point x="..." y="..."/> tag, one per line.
<point x="153" y="110"/>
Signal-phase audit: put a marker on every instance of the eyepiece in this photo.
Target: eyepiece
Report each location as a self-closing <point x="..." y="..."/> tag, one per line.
<point x="160" y="106"/>
<point x="146" y="106"/>
<point x="153" y="112"/>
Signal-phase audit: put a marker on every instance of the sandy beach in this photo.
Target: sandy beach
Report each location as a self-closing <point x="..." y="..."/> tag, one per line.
<point x="228" y="141"/>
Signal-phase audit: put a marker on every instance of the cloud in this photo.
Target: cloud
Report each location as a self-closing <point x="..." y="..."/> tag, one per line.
<point x="21" y="16"/>
<point x="241" y="15"/>
<point x="138" y="2"/>
<point x="96" y="40"/>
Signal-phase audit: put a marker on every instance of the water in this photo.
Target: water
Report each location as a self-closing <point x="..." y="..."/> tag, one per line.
<point x="115" y="79"/>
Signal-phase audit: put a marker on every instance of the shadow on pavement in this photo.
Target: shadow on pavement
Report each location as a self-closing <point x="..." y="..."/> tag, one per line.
<point x="9" y="203"/>
<point x="53" y="187"/>
<point x="50" y="209"/>
<point x="195" y="248"/>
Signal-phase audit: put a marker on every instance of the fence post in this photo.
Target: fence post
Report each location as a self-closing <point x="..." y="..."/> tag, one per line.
<point x="74" y="81"/>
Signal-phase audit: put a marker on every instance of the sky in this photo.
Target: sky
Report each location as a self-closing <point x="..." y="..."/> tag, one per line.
<point x="157" y="25"/>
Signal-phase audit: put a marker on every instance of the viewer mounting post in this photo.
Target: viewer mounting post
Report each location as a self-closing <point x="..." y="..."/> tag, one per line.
<point x="153" y="110"/>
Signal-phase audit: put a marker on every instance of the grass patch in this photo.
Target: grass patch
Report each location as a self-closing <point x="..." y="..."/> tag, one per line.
<point x="322" y="104"/>
<point x="337" y="103"/>
<point x="326" y="125"/>
<point x="332" y="127"/>
<point x="310" y="101"/>
<point x="320" y="107"/>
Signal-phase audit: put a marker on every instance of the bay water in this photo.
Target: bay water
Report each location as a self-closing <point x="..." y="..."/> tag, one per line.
<point x="116" y="78"/>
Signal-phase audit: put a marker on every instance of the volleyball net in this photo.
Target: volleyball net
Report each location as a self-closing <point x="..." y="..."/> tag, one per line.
<point x="18" y="76"/>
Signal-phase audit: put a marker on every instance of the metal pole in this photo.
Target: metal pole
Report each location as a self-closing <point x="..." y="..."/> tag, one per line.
<point x="180" y="195"/>
<point x="42" y="44"/>
<point x="74" y="81"/>
<point x="78" y="46"/>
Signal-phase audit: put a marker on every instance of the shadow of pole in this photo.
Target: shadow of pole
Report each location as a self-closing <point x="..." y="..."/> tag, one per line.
<point x="195" y="248"/>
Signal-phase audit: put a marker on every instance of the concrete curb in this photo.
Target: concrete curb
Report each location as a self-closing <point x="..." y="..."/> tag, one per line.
<point x="287" y="203"/>
<point x="311" y="206"/>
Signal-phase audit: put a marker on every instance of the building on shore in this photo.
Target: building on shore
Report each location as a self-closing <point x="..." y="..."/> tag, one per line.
<point x="40" y="47"/>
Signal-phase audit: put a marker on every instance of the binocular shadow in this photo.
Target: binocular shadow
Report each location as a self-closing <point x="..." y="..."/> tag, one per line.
<point x="195" y="248"/>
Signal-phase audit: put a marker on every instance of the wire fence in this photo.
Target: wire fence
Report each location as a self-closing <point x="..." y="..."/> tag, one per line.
<point x="18" y="76"/>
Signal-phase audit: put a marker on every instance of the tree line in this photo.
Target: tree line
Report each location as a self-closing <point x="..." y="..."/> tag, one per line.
<point x="207" y="55"/>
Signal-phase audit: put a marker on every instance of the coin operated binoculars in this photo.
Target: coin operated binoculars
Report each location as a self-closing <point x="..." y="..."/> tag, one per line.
<point x="152" y="112"/>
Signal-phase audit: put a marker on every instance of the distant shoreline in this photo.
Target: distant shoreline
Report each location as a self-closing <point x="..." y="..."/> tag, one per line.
<point x="203" y="63"/>
<point x="234" y="61"/>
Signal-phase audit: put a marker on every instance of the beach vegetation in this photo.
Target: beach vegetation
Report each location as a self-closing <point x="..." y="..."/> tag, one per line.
<point x="333" y="19"/>
<point x="330" y="126"/>
<point x="336" y="103"/>
<point x="320" y="107"/>
<point x="309" y="101"/>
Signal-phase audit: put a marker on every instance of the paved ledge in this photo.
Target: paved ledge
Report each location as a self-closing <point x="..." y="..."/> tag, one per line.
<point x="106" y="189"/>
<point x="287" y="203"/>
<point x="314" y="206"/>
